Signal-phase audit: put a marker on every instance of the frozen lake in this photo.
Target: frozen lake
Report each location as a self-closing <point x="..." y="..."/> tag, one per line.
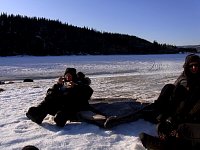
<point x="134" y="76"/>
<point x="139" y="77"/>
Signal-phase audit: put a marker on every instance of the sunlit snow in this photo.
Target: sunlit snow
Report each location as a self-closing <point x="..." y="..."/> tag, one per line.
<point x="139" y="77"/>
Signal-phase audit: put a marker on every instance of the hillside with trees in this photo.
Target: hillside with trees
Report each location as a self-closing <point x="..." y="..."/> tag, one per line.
<point x="22" y="35"/>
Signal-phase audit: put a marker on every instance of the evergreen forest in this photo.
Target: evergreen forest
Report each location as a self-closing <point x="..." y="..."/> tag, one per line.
<point x="22" y="35"/>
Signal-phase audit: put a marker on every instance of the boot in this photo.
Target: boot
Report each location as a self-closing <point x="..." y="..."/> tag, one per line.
<point x="151" y="142"/>
<point x="60" y="119"/>
<point x="36" y="115"/>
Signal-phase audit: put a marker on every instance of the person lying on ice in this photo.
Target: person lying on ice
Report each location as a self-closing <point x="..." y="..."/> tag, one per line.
<point x="69" y="96"/>
<point x="178" y="110"/>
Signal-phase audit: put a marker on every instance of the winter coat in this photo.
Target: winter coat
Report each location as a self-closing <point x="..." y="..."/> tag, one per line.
<point x="60" y="98"/>
<point x="187" y="79"/>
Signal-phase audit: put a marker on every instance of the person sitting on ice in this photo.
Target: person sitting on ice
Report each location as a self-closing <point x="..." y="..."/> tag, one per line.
<point x="178" y="110"/>
<point x="69" y="96"/>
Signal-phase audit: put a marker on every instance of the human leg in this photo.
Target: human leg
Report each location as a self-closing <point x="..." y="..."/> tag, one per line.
<point x="62" y="116"/>
<point x="162" y="104"/>
<point x="47" y="106"/>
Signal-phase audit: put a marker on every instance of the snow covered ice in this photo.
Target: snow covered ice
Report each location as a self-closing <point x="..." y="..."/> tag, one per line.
<point x="139" y="77"/>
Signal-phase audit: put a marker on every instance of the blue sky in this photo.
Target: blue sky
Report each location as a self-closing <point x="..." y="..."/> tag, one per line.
<point x="175" y="22"/>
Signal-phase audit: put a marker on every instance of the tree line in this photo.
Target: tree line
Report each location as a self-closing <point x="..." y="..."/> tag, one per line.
<point x="22" y="35"/>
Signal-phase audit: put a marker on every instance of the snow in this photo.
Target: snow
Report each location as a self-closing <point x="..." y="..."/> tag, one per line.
<point x="138" y="77"/>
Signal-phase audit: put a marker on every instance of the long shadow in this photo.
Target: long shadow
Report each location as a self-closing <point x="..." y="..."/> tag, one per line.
<point x="110" y="107"/>
<point x="128" y="129"/>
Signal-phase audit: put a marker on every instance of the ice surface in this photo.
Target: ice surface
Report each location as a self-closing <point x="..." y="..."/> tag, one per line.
<point x="138" y="77"/>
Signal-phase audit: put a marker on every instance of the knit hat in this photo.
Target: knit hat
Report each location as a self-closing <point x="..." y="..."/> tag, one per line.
<point x="191" y="58"/>
<point x="71" y="71"/>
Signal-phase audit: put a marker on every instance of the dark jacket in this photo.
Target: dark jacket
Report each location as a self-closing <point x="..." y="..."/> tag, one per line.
<point x="189" y="108"/>
<point x="187" y="79"/>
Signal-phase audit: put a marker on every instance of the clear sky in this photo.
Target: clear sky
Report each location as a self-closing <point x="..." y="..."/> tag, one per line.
<point x="175" y="22"/>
